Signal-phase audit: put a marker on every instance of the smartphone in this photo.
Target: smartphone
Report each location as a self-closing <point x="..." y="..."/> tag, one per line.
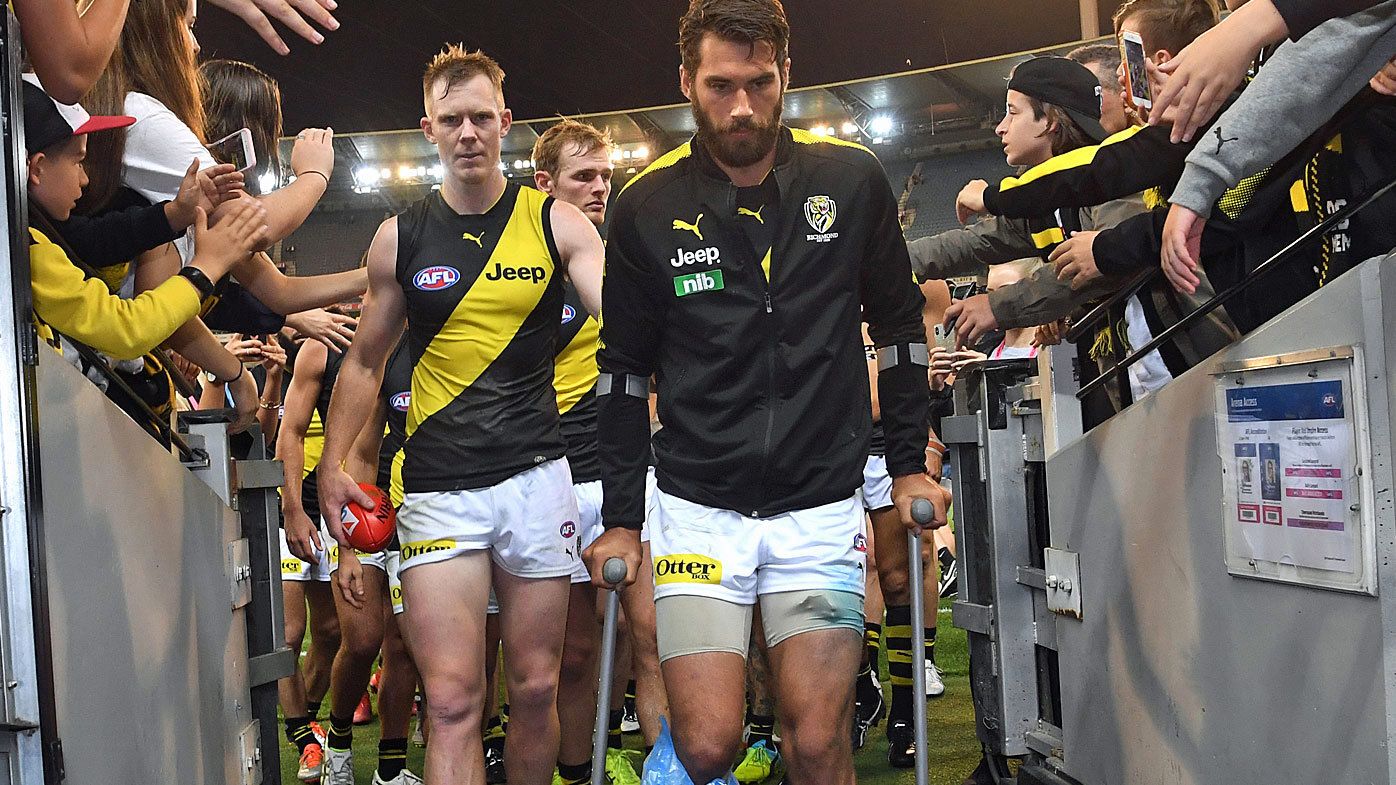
<point x="1136" y="74"/>
<point x="945" y="338"/>
<point x="235" y="149"/>
<point x="964" y="290"/>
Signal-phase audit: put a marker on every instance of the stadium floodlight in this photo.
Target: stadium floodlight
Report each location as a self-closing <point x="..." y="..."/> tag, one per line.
<point x="850" y="128"/>
<point x="881" y="125"/>
<point x="642" y="152"/>
<point x="366" y="175"/>
<point x="617" y="155"/>
<point x="436" y="171"/>
<point x="267" y="181"/>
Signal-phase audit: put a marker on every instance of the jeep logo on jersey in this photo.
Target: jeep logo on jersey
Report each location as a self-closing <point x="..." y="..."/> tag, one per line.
<point x="434" y="279"/>
<point x="567" y="529"/>
<point x="687" y="568"/>
<point x="710" y="281"/>
<point x="708" y="256"/>
<point x="500" y="272"/>
<point x="401" y="401"/>
<point x="568" y="313"/>
<point x="820" y="212"/>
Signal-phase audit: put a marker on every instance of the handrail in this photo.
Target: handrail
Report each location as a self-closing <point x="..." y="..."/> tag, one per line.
<point x="1221" y="298"/>
<point x="161" y="424"/>
<point x="1115" y="300"/>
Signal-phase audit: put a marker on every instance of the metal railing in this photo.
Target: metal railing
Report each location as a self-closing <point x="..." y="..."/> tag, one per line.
<point x="190" y="456"/>
<point x="1121" y="367"/>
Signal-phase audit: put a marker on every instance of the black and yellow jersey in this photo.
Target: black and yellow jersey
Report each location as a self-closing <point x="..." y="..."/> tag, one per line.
<point x="576" y="385"/>
<point x="396" y="394"/>
<point x="483" y="294"/>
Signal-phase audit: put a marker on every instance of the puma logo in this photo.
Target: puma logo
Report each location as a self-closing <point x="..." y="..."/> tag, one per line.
<point x="753" y="213"/>
<point x="1221" y="140"/>
<point x="690" y="227"/>
<point x="478" y="240"/>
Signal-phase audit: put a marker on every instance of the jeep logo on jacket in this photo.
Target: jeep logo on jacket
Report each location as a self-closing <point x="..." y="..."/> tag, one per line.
<point x="757" y="354"/>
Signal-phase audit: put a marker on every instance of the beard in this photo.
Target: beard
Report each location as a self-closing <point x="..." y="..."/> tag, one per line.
<point x="732" y="151"/>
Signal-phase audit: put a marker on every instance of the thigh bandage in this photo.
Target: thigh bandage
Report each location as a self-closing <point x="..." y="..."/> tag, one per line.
<point x="788" y="613"/>
<point x="693" y="624"/>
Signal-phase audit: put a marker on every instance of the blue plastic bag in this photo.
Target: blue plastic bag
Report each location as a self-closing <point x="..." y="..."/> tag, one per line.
<point x="662" y="766"/>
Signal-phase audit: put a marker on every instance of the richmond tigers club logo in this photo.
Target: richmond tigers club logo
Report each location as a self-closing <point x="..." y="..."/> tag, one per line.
<point x="821" y="211"/>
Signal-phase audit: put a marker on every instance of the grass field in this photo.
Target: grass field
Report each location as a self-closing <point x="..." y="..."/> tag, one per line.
<point x="953" y="754"/>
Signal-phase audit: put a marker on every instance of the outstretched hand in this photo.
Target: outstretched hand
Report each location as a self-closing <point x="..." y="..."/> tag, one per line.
<point x="291" y="13"/>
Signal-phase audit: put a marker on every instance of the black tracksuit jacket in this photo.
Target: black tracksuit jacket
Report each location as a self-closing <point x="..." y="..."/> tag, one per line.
<point x="762" y="385"/>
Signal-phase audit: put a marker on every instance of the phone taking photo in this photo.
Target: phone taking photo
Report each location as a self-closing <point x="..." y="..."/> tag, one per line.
<point x="235" y="149"/>
<point x="1136" y="72"/>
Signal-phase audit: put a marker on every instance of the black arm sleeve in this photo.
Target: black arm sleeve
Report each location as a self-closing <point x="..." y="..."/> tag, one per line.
<point x="239" y="311"/>
<point x="892" y="305"/>
<point x="632" y="306"/>
<point x="1302" y="16"/>
<point x="118" y="236"/>
<point x="1131" y="245"/>
<point x="1089" y="176"/>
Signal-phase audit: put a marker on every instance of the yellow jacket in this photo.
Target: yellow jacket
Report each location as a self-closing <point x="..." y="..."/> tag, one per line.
<point x="86" y="311"/>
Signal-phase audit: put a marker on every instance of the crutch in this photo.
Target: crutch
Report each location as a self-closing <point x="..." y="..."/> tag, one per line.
<point x="612" y="572"/>
<point x="922" y="513"/>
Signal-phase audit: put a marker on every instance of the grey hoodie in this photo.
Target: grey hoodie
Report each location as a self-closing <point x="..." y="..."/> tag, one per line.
<point x="1299" y="89"/>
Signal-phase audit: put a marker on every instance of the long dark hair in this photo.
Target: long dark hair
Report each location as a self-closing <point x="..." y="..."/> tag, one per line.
<point x="153" y="56"/>
<point x="241" y="95"/>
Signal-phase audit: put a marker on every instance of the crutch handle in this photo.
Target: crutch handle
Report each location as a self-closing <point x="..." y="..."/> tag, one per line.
<point x="923" y="512"/>
<point x="613" y="571"/>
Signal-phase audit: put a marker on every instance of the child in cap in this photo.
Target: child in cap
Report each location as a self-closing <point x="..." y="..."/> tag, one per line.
<point x="69" y="299"/>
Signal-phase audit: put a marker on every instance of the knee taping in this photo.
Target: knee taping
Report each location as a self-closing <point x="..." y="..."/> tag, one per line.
<point x="688" y="624"/>
<point x="788" y="613"/>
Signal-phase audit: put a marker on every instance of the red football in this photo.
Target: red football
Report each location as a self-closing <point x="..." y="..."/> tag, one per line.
<point x="369" y="531"/>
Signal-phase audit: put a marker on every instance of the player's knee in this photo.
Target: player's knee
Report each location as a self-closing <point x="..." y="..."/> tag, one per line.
<point x="458" y="706"/>
<point x="362" y="642"/>
<point x="816" y="741"/>
<point x="395" y="650"/>
<point x="578" y="659"/>
<point x="325" y="633"/>
<point x="532" y="692"/>
<point x="896" y="585"/>
<point x="295" y="633"/>
<point x="708" y="756"/>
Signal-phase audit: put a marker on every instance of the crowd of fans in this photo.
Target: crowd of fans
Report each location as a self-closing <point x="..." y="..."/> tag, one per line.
<point x="1228" y="166"/>
<point x="129" y="200"/>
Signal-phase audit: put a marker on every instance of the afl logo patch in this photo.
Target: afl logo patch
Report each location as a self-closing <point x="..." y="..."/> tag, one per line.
<point x="860" y="543"/>
<point x="568" y="313"/>
<point x="567" y="530"/>
<point x="434" y="279"/>
<point x="401" y="401"/>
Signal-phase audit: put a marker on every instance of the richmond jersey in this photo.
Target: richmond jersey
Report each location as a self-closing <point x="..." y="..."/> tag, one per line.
<point x="396" y="393"/>
<point x="576" y="386"/>
<point x="483" y="294"/>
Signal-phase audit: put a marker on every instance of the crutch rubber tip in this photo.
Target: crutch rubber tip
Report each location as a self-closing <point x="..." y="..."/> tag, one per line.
<point x="613" y="571"/>
<point x="922" y="512"/>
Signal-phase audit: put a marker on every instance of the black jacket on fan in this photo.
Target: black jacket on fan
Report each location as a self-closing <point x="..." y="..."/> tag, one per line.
<point x="762" y="381"/>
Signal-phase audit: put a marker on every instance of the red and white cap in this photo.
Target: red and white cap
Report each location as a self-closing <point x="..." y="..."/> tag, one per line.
<point x="47" y="122"/>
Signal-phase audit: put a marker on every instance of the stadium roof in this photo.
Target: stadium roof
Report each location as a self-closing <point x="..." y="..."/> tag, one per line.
<point x="582" y="56"/>
<point x="917" y="113"/>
